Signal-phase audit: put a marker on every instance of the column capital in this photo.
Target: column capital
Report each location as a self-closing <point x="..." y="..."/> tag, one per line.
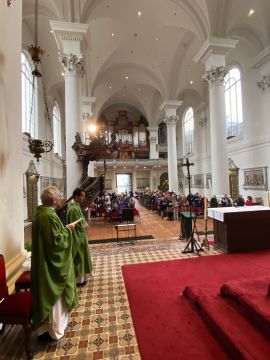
<point x="72" y="64"/>
<point x="171" y="120"/>
<point x="202" y="121"/>
<point x="214" y="50"/>
<point x="153" y="139"/>
<point x="215" y="74"/>
<point x="264" y="83"/>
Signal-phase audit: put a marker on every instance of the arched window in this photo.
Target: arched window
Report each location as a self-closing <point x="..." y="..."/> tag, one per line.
<point x="29" y="101"/>
<point x="188" y="130"/>
<point x="233" y="103"/>
<point x="57" y="130"/>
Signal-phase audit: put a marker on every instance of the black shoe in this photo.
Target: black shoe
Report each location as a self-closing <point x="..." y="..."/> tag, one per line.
<point x="81" y="283"/>
<point x="45" y="337"/>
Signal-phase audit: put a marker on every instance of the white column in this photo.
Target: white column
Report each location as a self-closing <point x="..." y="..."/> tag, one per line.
<point x="172" y="153"/>
<point x="170" y="108"/>
<point x="218" y="131"/>
<point x="69" y="38"/>
<point x="213" y="55"/>
<point x="74" y="123"/>
<point x="153" y="139"/>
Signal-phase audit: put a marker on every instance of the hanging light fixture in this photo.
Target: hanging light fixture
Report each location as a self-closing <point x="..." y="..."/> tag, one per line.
<point x="35" y="50"/>
<point x="38" y="147"/>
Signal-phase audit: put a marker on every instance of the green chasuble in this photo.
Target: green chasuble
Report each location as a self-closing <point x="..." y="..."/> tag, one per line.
<point x="80" y="249"/>
<point x="52" y="270"/>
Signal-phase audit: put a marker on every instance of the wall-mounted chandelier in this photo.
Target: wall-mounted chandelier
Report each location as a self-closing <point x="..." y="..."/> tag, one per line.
<point x="35" y="50"/>
<point x="38" y="147"/>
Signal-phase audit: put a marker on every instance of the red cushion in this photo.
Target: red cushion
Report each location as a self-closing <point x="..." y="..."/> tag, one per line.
<point x="3" y="285"/>
<point x="24" y="278"/>
<point x="17" y="305"/>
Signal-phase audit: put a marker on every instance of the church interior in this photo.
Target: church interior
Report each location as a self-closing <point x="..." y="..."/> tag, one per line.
<point x="143" y="98"/>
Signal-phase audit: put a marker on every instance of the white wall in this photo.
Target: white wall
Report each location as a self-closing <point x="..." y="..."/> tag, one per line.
<point x="11" y="194"/>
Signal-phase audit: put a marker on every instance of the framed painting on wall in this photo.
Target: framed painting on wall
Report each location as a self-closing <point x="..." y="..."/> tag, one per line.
<point x="256" y="178"/>
<point x="198" y="181"/>
<point x="44" y="181"/>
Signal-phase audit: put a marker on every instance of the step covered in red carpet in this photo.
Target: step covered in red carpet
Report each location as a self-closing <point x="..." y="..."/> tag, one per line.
<point x="251" y="297"/>
<point x="239" y="338"/>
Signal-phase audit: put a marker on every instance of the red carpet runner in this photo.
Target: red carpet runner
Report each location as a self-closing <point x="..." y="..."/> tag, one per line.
<point x="166" y="325"/>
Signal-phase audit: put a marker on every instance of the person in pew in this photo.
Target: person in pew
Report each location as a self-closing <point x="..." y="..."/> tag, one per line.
<point x="214" y="202"/>
<point x="225" y="201"/>
<point x="240" y="201"/>
<point x="249" y="201"/>
<point x="52" y="271"/>
<point x="80" y="249"/>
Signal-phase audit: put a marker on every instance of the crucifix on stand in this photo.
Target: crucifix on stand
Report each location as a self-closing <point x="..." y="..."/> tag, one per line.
<point x="192" y="244"/>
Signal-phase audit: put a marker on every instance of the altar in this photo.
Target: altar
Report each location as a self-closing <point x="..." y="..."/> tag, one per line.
<point x="241" y="229"/>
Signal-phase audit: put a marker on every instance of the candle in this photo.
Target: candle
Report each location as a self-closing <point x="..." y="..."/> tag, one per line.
<point x="205" y="207"/>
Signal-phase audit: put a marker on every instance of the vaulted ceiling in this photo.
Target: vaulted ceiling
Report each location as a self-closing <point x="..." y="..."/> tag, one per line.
<point x="151" y="42"/>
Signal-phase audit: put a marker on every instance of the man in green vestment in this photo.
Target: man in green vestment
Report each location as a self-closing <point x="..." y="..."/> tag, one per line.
<point x="52" y="271"/>
<point x="80" y="248"/>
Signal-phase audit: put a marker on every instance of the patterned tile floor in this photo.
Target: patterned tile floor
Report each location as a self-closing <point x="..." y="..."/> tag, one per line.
<point x="101" y="327"/>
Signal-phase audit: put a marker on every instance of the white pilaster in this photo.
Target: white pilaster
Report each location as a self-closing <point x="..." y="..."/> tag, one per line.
<point x="69" y="39"/>
<point x="153" y="139"/>
<point x="134" y="181"/>
<point x="213" y="54"/>
<point x="170" y="108"/>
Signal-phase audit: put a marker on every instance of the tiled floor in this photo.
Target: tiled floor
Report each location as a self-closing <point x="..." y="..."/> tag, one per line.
<point x="101" y="327"/>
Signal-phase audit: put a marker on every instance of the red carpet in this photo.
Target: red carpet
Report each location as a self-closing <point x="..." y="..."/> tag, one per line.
<point x="252" y="299"/>
<point x="236" y="334"/>
<point x="167" y="327"/>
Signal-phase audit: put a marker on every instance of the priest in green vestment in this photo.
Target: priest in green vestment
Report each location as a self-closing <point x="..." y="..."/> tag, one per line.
<point x="52" y="271"/>
<point x="80" y="248"/>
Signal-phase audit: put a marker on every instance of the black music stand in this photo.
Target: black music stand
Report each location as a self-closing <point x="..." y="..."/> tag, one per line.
<point x="192" y="244"/>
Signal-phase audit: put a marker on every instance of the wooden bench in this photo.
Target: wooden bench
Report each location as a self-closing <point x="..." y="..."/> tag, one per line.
<point x="129" y="228"/>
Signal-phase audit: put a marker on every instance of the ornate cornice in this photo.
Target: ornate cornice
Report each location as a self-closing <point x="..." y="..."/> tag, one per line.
<point x="72" y="64"/>
<point x="264" y="84"/>
<point x="215" y="74"/>
<point x="171" y="120"/>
